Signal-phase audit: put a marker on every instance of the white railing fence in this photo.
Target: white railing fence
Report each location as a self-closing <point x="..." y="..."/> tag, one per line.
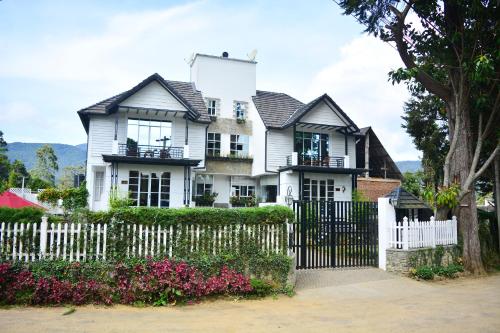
<point x="81" y="242"/>
<point x="417" y="234"/>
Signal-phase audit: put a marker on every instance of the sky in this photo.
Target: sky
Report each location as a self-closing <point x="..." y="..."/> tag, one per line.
<point x="57" y="57"/>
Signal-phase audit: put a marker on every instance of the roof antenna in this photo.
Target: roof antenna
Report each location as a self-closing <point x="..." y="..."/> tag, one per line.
<point x="189" y="59"/>
<point x="251" y="56"/>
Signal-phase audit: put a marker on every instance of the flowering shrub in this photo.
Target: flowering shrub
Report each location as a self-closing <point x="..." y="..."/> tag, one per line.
<point x="152" y="282"/>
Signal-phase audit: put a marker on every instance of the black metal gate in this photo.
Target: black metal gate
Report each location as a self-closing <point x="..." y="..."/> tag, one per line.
<point x="335" y="234"/>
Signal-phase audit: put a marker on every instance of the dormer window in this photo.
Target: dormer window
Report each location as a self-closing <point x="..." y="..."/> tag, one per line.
<point x="212" y="106"/>
<point x="240" y="110"/>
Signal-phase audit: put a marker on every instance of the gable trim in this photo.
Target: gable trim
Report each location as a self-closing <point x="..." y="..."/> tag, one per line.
<point x="113" y="107"/>
<point x="350" y="125"/>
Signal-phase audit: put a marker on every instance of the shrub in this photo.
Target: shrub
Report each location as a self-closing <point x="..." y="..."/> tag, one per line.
<point x="25" y="215"/>
<point x="199" y="215"/>
<point x="261" y="288"/>
<point x="157" y="282"/>
<point x="424" y="273"/>
<point x="207" y="199"/>
<point x="449" y="271"/>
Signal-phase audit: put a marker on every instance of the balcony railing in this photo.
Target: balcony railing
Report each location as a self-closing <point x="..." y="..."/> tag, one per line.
<point x="319" y="161"/>
<point x="145" y="151"/>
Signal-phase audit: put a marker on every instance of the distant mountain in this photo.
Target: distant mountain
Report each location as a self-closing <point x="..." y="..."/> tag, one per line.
<point x="66" y="154"/>
<point x="410" y="166"/>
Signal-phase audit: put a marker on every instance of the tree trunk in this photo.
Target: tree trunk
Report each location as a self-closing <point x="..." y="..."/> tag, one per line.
<point x="466" y="212"/>
<point x="497" y="194"/>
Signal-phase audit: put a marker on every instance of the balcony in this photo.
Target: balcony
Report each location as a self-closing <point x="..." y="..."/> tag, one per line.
<point x="146" y="154"/>
<point x="317" y="161"/>
<point x="145" y="151"/>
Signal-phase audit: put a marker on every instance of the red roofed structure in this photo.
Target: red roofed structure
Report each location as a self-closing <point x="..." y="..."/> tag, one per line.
<point x="11" y="200"/>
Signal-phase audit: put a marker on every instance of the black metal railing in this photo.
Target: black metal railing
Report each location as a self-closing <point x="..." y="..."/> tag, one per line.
<point x="321" y="161"/>
<point x="146" y="151"/>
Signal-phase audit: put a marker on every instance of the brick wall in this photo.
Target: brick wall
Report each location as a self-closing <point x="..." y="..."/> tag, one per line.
<point x="374" y="188"/>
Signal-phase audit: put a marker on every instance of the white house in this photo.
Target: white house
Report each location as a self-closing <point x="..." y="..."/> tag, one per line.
<point x="164" y="142"/>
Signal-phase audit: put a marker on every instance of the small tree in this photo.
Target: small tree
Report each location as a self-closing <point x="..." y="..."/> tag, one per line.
<point x="68" y="175"/>
<point x="17" y="173"/>
<point x="46" y="164"/>
<point x="4" y="161"/>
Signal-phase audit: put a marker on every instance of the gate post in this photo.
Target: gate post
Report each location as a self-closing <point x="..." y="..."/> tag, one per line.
<point x="386" y="215"/>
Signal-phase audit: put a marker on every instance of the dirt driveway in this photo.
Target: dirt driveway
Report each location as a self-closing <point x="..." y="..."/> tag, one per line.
<point x="366" y="300"/>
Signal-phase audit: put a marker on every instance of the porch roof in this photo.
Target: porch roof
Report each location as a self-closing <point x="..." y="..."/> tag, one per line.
<point x="153" y="161"/>
<point x="401" y="198"/>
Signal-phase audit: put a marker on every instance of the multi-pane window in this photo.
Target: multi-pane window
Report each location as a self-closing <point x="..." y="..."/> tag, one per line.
<point x="312" y="148"/>
<point x="204" y="184"/>
<point x="239" y="145"/>
<point x="213" y="144"/>
<point x="148" y="132"/>
<point x="242" y="190"/>
<point x="149" y="190"/>
<point x="314" y="189"/>
<point x="211" y="106"/>
<point x="98" y="185"/>
<point x="240" y="109"/>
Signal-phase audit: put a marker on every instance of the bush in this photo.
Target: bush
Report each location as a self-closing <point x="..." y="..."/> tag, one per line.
<point x="199" y="215"/>
<point x="449" y="271"/>
<point x="261" y="288"/>
<point x="424" y="273"/>
<point x="24" y="215"/>
<point x="205" y="200"/>
<point x="427" y="272"/>
<point x="157" y="282"/>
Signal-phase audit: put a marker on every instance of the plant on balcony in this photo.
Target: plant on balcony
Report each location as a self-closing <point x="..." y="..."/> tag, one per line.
<point x="243" y="201"/>
<point x="240" y="120"/>
<point x="206" y="200"/>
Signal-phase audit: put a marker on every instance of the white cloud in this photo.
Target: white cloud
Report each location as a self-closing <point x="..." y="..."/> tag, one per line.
<point x="358" y="83"/>
<point x="117" y="54"/>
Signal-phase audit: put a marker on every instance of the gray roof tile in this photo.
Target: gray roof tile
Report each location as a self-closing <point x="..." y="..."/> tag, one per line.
<point x="275" y="108"/>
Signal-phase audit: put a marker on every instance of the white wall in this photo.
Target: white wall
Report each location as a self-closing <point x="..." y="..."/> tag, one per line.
<point x="226" y="79"/>
<point x="196" y="141"/>
<point x="279" y="146"/>
<point x="153" y="96"/>
<point x="258" y="144"/>
<point x="323" y="114"/>
<point x="101" y="135"/>
<point x="287" y="179"/>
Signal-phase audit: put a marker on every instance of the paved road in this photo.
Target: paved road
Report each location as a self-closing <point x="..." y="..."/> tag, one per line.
<point x="350" y="300"/>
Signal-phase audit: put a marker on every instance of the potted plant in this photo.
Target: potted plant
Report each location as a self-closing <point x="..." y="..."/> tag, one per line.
<point x="205" y="200"/>
<point x="240" y="120"/>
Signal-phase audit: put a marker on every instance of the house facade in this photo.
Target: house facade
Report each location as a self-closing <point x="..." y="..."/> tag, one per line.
<point x="166" y="143"/>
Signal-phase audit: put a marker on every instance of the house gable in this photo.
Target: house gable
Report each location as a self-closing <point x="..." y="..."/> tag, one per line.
<point x="153" y="96"/>
<point x="324" y="114"/>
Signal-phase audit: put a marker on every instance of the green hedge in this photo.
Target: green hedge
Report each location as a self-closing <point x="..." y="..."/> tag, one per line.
<point x="199" y="215"/>
<point x="28" y="214"/>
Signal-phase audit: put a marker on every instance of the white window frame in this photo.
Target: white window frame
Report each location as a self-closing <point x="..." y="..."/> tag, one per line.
<point x="208" y="184"/>
<point x="215" y="151"/>
<point x="240" y="109"/>
<point x="212" y="106"/>
<point x="236" y="140"/>
<point x="98" y="185"/>
<point x="237" y="190"/>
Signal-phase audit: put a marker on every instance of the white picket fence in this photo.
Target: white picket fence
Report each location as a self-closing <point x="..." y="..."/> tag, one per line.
<point x="80" y="242"/>
<point x="417" y="234"/>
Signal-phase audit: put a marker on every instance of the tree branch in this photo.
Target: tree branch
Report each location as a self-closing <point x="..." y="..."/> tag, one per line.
<point x="427" y="81"/>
